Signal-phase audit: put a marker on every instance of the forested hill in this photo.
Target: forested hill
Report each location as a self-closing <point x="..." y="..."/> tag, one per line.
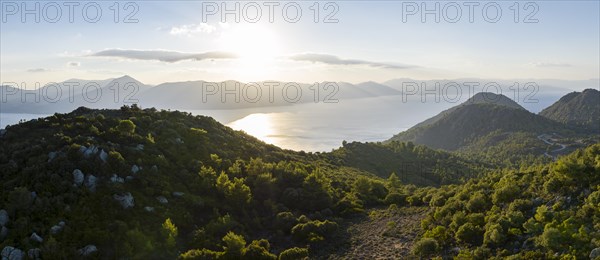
<point x="466" y="124"/>
<point x="139" y="183"/>
<point x="577" y="108"/>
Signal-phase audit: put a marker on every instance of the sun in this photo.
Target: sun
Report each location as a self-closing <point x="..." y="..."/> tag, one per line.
<point x="256" y="46"/>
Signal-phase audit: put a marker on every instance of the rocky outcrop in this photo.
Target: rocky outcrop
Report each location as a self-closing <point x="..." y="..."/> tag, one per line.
<point x="126" y="200"/>
<point x="36" y="238"/>
<point x="595" y="253"/>
<point x="103" y="156"/>
<point x="89" y="152"/>
<point x="139" y="147"/>
<point x="3" y="217"/>
<point x="57" y="228"/>
<point x="90" y="182"/>
<point x="116" y="179"/>
<point x="11" y="253"/>
<point x="51" y="156"/>
<point x="88" y="250"/>
<point x="78" y="177"/>
<point x="34" y="253"/>
<point x="162" y="199"/>
<point x="135" y="169"/>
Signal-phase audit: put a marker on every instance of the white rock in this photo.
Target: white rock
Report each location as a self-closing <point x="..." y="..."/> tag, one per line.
<point x="11" y="253"/>
<point x="34" y="253"/>
<point x="149" y="209"/>
<point x="129" y="178"/>
<point x="82" y="149"/>
<point x="125" y="200"/>
<point x="51" y="156"/>
<point x="178" y="193"/>
<point x="154" y="168"/>
<point x="178" y="140"/>
<point x="78" y="177"/>
<point x="88" y="250"/>
<point x="162" y="199"/>
<point x="3" y="217"/>
<point x="103" y="156"/>
<point x="37" y="238"/>
<point x="90" y="151"/>
<point x="139" y="147"/>
<point x="55" y="229"/>
<point x="595" y="253"/>
<point x="116" y="179"/>
<point x="90" y="182"/>
<point x="135" y="169"/>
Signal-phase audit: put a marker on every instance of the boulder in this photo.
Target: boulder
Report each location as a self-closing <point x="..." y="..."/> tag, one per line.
<point x="51" y="156"/>
<point x="116" y="179"/>
<point x="149" y="209"/>
<point x="3" y="217"/>
<point x="91" y="151"/>
<point x="103" y="156"/>
<point x="595" y="253"/>
<point x="126" y="200"/>
<point x="88" y="250"/>
<point x="37" y="238"/>
<point x="178" y="140"/>
<point x="11" y="253"/>
<point x="55" y="229"/>
<point x="78" y="177"/>
<point x="135" y="169"/>
<point x="90" y="182"/>
<point x="34" y="253"/>
<point x="162" y="199"/>
<point x="82" y="149"/>
<point x="154" y="168"/>
<point x="178" y="194"/>
<point x="139" y="147"/>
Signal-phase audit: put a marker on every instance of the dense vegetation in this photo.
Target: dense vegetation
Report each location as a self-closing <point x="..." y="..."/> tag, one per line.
<point x="135" y="183"/>
<point x="542" y="212"/>
<point x="577" y="108"/>
<point x="158" y="184"/>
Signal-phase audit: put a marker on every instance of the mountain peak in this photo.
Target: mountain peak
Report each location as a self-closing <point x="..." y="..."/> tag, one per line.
<point x="492" y="98"/>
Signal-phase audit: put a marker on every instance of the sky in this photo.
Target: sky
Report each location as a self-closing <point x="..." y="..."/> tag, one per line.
<point x="353" y="41"/>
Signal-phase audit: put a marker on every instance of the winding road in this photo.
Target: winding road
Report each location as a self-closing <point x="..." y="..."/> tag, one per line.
<point x="547" y="140"/>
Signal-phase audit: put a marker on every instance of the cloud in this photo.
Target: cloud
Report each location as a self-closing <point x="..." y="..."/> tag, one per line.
<point x="165" y="56"/>
<point x="190" y="29"/>
<point x="549" y="64"/>
<point x="73" y="64"/>
<point x="38" y="70"/>
<point x="334" y="60"/>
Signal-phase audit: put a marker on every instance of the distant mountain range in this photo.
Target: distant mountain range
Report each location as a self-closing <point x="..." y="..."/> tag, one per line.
<point x="114" y="93"/>
<point x="200" y="95"/>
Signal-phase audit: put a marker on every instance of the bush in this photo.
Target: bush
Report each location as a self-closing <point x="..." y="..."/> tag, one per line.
<point x="314" y="231"/>
<point x="425" y="247"/>
<point x="294" y="253"/>
<point x="395" y="198"/>
<point x="470" y="234"/>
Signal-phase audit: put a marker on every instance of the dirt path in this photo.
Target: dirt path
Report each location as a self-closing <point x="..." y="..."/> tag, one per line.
<point x="384" y="234"/>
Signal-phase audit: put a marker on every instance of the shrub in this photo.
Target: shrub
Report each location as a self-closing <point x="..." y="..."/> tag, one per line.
<point x="425" y="247"/>
<point x="294" y="253"/>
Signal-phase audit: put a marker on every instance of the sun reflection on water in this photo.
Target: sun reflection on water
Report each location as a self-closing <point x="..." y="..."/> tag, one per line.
<point x="257" y="125"/>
